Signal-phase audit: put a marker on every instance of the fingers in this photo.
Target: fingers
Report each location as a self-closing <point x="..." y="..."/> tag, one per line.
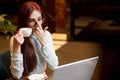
<point x="40" y="34"/>
<point x="40" y="29"/>
<point x="45" y="29"/>
<point x="36" y="32"/>
<point x="19" y="38"/>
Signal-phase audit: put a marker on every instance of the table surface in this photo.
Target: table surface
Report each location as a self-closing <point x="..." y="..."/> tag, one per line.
<point x="104" y="25"/>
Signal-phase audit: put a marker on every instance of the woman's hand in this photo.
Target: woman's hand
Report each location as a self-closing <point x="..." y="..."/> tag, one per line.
<point x="18" y="41"/>
<point x="41" y="34"/>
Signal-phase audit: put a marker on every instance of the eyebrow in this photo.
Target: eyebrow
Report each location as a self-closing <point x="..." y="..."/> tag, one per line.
<point x="38" y="17"/>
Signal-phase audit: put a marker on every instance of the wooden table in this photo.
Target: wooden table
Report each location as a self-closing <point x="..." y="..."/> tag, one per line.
<point x="103" y="27"/>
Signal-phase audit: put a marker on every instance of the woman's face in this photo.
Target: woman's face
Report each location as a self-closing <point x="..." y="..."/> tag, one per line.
<point x="35" y="19"/>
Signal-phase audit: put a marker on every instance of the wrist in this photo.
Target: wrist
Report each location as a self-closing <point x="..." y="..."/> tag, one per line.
<point x="17" y="49"/>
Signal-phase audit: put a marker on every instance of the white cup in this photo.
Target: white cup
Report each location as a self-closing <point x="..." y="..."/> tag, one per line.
<point x="26" y="31"/>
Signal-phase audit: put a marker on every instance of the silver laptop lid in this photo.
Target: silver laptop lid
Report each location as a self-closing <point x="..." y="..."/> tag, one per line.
<point x="79" y="70"/>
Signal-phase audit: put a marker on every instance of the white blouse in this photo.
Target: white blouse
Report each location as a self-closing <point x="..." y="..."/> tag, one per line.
<point x="46" y="55"/>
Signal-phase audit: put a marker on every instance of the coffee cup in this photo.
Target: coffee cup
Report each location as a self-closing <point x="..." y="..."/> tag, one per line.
<point x="26" y="31"/>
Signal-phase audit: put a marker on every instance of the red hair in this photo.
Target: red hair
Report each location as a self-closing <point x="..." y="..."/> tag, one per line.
<point x="29" y="57"/>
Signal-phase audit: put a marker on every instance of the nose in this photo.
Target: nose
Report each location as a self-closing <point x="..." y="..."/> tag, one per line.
<point x="36" y="23"/>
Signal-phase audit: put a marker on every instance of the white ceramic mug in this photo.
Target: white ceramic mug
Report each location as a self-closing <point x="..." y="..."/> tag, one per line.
<point x="26" y="31"/>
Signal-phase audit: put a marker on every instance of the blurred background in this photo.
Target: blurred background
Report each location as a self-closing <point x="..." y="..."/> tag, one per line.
<point x="80" y="29"/>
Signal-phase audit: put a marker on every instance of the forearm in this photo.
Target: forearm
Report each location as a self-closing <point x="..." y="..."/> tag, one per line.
<point x="16" y="65"/>
<point x="50" y="56"/>
<point x="16" y="50"/>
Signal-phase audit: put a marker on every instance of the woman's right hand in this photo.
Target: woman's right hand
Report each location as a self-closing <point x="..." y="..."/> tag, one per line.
<point x="18" y="41"/>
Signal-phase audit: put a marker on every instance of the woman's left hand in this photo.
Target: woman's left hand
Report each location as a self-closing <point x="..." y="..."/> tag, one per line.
<point x="40" y="34"/>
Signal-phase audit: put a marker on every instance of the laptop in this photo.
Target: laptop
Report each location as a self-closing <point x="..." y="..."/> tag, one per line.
<point x="79" y="70"/>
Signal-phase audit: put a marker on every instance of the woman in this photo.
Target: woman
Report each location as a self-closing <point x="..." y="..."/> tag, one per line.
<point x="29" y="55"/>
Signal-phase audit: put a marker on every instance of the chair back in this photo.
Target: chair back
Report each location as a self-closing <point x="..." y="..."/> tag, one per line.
<point x="5" y="60"/>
